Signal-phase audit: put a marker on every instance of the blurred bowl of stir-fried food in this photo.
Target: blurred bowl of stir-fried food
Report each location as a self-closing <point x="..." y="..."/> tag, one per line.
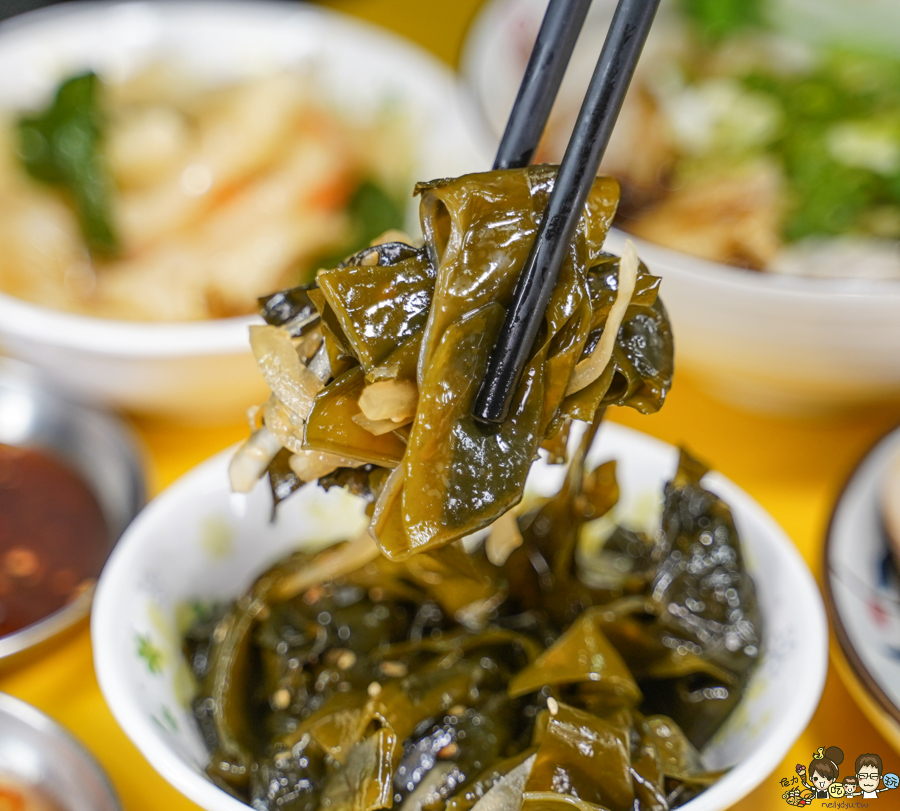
<point x="163" y="165"/>
<point x="759" y="156"/>
<point x="183" y="678"/>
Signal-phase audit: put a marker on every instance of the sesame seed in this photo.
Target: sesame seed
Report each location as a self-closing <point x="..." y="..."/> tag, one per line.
<point x="394" y="670"/>
<point x="281" y="699"/>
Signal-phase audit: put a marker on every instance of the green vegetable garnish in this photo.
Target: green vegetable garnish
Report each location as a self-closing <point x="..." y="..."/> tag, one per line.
<point x="61" y="146"/>
<point x="372" y="211"/>
<point x="718" y="19"/>
<point x="839" y="146"/>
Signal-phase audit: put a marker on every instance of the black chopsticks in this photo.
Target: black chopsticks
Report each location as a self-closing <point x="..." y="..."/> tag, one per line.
<point x="593" y="127"/>
<point x="540" y="84"/>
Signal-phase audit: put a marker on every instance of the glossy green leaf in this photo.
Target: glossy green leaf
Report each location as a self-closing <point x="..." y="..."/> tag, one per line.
<point x="581" y="654"/>
<point x="330" y="426"/>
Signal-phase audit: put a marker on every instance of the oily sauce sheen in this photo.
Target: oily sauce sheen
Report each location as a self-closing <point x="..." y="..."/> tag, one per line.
<point x="53" y="537"/>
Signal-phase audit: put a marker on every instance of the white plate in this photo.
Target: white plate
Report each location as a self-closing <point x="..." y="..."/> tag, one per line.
<point x="862" y="591"/>
<point x="204" y="371"/>
<point x="199" y="541"/>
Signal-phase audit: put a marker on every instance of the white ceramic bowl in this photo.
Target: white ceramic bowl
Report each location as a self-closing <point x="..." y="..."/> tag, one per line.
<point x="204" y="371"/>
<point x="198" y="541"/>
<point x="778" y="344"/>
<point x="759" y="340"/>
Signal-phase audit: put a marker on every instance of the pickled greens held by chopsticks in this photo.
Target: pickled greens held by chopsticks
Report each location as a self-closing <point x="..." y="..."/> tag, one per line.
<point x="375" y="366"/>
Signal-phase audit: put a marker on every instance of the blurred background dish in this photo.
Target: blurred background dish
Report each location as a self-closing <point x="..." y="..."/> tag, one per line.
<point x="224" y="154"/>
<point x="862" y="586"/>
<point x="200" y="542"/>
<point x="43" y="768"/>
<point x="762" y="134"/>
<point x="70" y="482"/>
<point x="192" y="197"/>
<point x="743" y="147"/>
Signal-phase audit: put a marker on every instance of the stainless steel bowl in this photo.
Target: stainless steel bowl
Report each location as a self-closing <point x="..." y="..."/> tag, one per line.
<point x="94" y="443"/>
<point x="38" y="751"/>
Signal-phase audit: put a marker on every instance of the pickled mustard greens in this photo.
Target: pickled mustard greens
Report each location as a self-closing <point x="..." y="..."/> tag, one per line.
<point x="547" y="671"/>
<point x="374" y="367"/>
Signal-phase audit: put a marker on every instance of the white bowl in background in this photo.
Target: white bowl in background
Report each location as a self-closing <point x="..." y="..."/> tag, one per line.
<point x="204" y="371"/>
<point x="774" y="343"/>
<point x="758" y="340"/>
<point x="198" y="541"/>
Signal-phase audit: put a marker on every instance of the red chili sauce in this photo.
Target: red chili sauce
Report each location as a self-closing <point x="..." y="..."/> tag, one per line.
<point x="53" y="537"/>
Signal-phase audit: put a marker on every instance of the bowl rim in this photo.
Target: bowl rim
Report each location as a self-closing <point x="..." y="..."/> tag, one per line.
<point x="107" y="656"/>
<point x="744" y="776"/>
<point x="754" y="281"/>
<point x="28" y="321"/>
<point x="480" y="37"/>
<point x="36" y="633"/>
<point x="47" y="727"/>
<point x="852" y="659"/>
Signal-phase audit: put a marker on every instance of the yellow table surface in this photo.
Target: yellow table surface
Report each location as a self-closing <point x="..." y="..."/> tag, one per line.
<point x="793" y="468"/>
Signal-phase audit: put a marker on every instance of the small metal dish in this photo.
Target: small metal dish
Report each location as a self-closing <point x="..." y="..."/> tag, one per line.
<point x="94" y="443"/>
<point x="39" y="752"/>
